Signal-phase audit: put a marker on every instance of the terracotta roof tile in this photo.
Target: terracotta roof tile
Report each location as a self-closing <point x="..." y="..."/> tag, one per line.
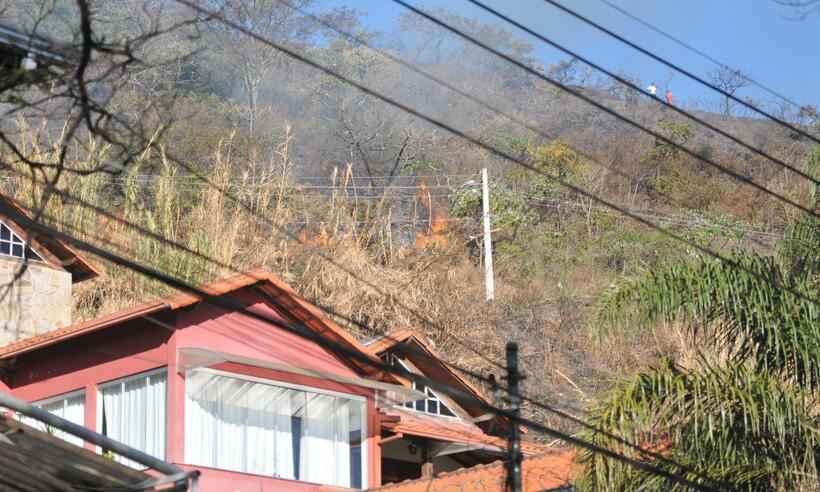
<point x="77" y="329"/>
<point x="386" y="342"/>
<point x="448" y="429"/>
<point x="284" y="293"/>
<point x="547" y="471"/>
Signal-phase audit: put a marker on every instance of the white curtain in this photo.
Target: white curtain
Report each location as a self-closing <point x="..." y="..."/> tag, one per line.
<point x="71" y="409"/>
<point x="134" y="414"/>
<point x="341" y="441"/>
<point x="235" y="424"/>
<point x="317" y="441"/>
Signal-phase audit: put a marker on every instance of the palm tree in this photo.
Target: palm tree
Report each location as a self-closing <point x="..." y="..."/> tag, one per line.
<point x="744" y="413"/>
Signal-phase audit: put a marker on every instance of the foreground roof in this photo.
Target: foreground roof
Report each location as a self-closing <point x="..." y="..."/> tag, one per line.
<point x="34" y="460"/>
<point x="546" y="472"/>
<point x="274" y="287"/>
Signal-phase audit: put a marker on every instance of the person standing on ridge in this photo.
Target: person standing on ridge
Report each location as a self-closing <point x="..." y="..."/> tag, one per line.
<point x="669" y="99"/>
<point x="653" y="89"/>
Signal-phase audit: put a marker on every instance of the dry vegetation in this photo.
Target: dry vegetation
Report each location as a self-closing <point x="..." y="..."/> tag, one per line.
<point x="259" y="125"/>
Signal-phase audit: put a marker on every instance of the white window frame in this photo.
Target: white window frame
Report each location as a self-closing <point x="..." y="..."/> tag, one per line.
<point x="306" y="389"/>
<point x="26" y="246"/>
<point x="63" y="397"/>
<point x="123" y="380"/>
<point x="455" y="416"/>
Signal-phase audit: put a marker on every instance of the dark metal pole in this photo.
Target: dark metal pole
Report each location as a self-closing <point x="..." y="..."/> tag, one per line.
<point x="514" y="437"/>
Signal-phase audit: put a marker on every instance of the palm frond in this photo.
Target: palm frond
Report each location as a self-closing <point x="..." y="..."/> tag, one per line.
<point x="743" y="311"/>
<point x="732" y="424"/>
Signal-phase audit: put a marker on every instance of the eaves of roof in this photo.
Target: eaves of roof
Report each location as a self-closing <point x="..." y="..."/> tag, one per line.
<point x="447" y="429"/>
<point x="271" y="284"/>
<point x="403" y="336"/>
<point x="75" y="263"/>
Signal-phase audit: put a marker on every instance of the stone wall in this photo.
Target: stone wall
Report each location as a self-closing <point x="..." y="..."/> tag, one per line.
<point x="39" y="301"/>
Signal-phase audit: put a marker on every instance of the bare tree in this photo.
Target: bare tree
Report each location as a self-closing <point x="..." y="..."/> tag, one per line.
<point x="84" y="82"/>
<point x="247" y="58"/>
<point x="730" y="81"/>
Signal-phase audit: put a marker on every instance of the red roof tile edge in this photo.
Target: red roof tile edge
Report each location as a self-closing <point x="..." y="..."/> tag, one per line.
<point x="178" y="301"/>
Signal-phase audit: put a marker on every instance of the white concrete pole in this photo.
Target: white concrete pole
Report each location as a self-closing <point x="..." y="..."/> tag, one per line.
<point x="489" y="283"/>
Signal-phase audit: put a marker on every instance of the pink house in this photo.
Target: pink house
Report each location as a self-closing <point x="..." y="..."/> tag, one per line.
<point x="251" y="405"/>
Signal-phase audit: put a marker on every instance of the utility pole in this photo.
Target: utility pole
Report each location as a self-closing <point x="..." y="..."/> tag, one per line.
<point x="514" y="437"/>
<point x="489" y="283"/>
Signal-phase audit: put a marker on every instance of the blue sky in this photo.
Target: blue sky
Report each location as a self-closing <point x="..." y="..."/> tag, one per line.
<point x="758" y="37"/>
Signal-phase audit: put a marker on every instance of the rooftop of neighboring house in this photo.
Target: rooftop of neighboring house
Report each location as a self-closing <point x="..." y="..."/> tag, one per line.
<point x="16" y="243"/>
<point x="550" y="471"/>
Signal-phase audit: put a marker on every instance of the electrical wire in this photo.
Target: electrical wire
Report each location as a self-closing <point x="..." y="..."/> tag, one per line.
<point x="633" y="86"/>
<point x="604" y="108"/>
<point x="679" y="69"/>
<point x="698" y="52"/>
<point x="359" y="40"/>
<point x="478" y="143"/>
<point x="337" y="348"/>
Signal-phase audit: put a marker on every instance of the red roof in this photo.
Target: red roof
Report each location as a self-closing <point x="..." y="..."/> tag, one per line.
<point x="60" y="253"/>
<point x="403" y="335"/>
<point x="297" y="306"/>
<point x="547" y="471"/>
<point x="448" y="429"/>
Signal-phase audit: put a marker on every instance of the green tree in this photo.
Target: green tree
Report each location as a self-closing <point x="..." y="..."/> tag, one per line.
<point x="743" y="410"/>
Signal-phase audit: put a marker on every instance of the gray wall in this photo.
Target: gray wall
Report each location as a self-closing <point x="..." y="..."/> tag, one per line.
<point x="39" y="301"/>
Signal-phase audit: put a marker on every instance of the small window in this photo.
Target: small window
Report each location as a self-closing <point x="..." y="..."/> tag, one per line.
<point x="432" y="404"/>
<point x="12" y="245"/>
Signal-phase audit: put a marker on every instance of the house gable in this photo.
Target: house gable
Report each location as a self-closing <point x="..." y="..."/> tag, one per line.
<point x="50" y="251"/>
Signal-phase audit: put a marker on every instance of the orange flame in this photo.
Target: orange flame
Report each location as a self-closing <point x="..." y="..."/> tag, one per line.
<point x="308" y="239"/>
<point x="435" y="233"/>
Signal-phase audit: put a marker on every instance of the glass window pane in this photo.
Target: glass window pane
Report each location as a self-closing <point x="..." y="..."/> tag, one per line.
<point x="5" y="248"/>
<point x="17" y="250"/>
<point x="5" y="233"/>
<point x="445" y="410"/>
<point x="356" y="443"/>
<point x="71" y="409"/>
<point x="259" y="428"/>
<point x="134" y="414"/>
<point x="31" y="255"/>
<point x="432" y="406"/>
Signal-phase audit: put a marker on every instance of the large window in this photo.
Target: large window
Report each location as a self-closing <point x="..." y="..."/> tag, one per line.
<point x="254" y="426"/>
<point x="70" y="407"/>
<point x="432" y="404"/>
<point x="133" y="412"/>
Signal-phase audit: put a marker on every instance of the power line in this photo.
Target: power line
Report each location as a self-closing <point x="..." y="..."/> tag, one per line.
<point x="630" y="84"/>
<point x="603" y="108"/>
<point x="681" y="70"/>
<point x="232" y="305"/>
<point x="698" y="52"/>
<point x="359" y="40"/>
<point x="441" y="125"/>
<point x="492" y="150"/>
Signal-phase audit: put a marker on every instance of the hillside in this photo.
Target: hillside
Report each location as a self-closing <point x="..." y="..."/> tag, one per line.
<point x="364" y="208"/>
